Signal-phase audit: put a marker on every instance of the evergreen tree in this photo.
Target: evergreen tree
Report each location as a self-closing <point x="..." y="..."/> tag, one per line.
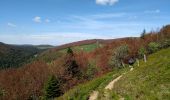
<point x="52" y="88"/>
<point x="71" y="64"/>
<point x="70" y="51"/>
<point x="143" y="34"/>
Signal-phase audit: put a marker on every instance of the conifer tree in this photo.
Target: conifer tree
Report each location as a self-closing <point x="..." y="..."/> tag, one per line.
<point x="70" y="51"/>
<point x="143" y="34"/>
<point x="52" y="88"/>
<point x="71" y="64"/>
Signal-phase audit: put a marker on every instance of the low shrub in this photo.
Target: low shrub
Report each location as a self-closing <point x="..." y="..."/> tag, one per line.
<point x="153" y="47"/>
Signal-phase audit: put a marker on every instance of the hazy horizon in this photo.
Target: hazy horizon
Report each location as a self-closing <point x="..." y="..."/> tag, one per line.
<point x="57" y="22"/>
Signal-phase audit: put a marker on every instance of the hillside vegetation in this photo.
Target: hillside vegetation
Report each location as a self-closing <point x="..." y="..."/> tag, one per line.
<point x="16" y="55"/>
<point x="149" y="81"/>
<point x="84" y="43"/>
<point x="62" y="69"/>
<point x="82" y="91"/>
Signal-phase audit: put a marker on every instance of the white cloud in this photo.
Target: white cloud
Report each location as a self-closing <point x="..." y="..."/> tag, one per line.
<point x="37" y="19"/>
<point x="106" y="2"/>
<point x="47" y="20"/>
<point x="11" y="24"/>
<point x="152" y="11"/>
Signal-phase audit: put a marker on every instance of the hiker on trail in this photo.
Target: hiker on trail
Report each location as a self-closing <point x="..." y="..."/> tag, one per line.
<point x="131" y="61"/>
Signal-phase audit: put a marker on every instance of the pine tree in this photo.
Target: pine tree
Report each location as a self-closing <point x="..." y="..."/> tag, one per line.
<point x="70" y="51"/>
<point x="74" y="69"/>
<point x="71" y="64"/>
<point x="143" y="34"/>
<point x="52" y="88"/>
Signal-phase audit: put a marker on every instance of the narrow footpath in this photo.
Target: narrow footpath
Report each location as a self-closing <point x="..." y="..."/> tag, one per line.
<point x="94" y="94"/>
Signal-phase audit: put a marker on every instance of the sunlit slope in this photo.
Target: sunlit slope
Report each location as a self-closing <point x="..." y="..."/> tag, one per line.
<point x="149" y="81"/>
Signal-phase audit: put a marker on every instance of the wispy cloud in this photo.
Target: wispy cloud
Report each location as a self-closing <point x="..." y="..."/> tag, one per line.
<point x="11" y="24"/>
<point x="106" y="2"/>
<point x="106" y="21"/>
<point x="99" y="24"/>
<point x="37" y="19"/>
<point x="97" y="17"/>
<point x="108" y="15"/>
<point x="152" y="11"/>
<point x="47" y="20"/>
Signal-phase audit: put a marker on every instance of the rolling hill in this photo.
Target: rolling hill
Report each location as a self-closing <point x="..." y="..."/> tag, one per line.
<point x="149" y="81"/>
<point x="91" y="59"/>
<point x="84" y="42"/>
<point x="16" y="55"/>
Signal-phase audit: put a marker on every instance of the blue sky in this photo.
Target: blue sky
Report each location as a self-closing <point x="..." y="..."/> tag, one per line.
<point x="62" y="21"/>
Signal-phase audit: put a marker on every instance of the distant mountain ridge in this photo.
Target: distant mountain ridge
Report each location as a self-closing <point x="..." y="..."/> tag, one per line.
<point x="85" y="42"/>
<point x="15" y="55"/>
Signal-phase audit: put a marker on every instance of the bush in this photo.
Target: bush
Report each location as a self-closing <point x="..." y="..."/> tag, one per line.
<point x="153" y="47"/>
<point x="92" y="69"/>
<point x="142" y="51"/>
<point x="165" y="43"/>
<point x="118" y="56"/>
<point x="2" y="92"/>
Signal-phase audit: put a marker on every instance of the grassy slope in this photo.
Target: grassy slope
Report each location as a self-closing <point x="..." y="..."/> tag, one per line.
<point x="85" y="48"/>
<point x="51" y="55"/>
<point x="150" y="81"/>
<point x="82" y="91"/>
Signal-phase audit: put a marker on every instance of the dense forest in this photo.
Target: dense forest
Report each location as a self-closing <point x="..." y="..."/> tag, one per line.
<point x="13" y="56"/>
<point x="57" y="70"/>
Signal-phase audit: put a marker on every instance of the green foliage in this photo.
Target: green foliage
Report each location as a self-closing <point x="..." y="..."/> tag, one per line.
<point x="86" y="48"/>
<point x="2" y="92"/>
<point x="165" y="43"/>
<point x="143" y="34"/>
<point x="82" y="91"/>
<point x="122" y="51"/>
<point x="73" y="69"/>
<point x="92" y="69"/>
<point x="149" y="81"/>
<point x="49" y="56"/>
<point x="71" y="64"/>
<point x="15" y="56"/>
<point x="52" y="88"/>
<point x="115" y="62"/>
<point x="141" y="52"/>
<point x="118" y="55"/>
<point x="70" y="51"/>
<point x="153" y="47"/>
